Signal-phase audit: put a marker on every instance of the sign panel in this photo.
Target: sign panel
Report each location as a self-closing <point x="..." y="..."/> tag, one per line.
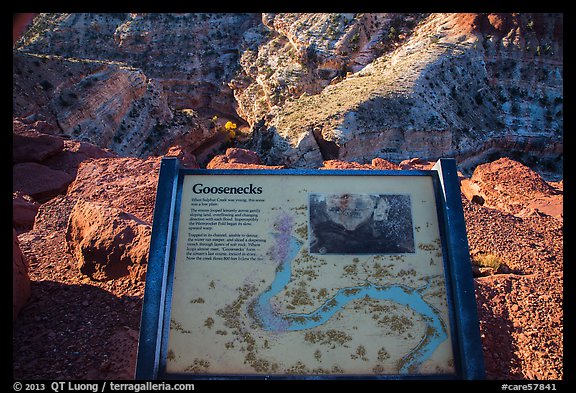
<point x="315" y="274"/>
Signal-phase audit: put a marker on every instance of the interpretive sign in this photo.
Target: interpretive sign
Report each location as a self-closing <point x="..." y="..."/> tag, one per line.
<point x="309" y="274"/>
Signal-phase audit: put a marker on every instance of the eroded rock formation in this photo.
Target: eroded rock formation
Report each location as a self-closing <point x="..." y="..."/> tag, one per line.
<point x="106" y="242"/>
<point x="20" y="279"/>
<point x="303" y="88"/>
<point x="453" y="88"/>
<point x="514" y="188"/>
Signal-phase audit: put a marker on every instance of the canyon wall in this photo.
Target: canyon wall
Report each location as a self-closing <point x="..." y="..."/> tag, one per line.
<point x="303" y="88"/>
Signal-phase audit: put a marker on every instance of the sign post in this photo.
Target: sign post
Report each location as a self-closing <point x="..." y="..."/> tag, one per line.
<point x="309" y="274"/>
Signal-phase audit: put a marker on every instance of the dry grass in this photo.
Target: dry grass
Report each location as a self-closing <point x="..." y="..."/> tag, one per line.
<point x="487" y="260"/>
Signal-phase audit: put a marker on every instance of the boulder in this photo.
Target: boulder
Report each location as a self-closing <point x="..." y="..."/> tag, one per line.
<point x="338" y="164"/>
<point x="73" y="154"/>
<point x="20" y="279"/>
<point x="380" y="163"/>
<point x="512" y="187"/>
<point x="39" y="181"/>
<point x="187" y="159"/>
<point x="106" y="242"/>
<point x="24" y="210"/>
<point x="125" y="183"/>
<point x="377" y="163"/>
<point x="417" y="163"/>
<point x="236" y="158"/>
<point x="30" y="145"/>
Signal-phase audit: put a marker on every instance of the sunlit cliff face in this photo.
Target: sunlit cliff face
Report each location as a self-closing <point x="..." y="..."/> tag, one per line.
<point x="349" y="210"/>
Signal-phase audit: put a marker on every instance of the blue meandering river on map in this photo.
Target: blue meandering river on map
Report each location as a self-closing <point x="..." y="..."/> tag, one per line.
<point x="272" y="320"/>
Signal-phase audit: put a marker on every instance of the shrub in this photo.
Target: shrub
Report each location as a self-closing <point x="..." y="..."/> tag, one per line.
<point x="487" y="260"/>
<point x="231" y="129"/>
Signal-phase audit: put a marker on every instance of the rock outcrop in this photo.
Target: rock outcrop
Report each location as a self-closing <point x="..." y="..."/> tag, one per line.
<point x="45" y="163"/>
<point x="235" y="158"/>
<point x="107" y="104"/>
<point x="308" y="87"/>
<point x="453" y="88"/>
<point x="30" y="145"/>
<point x="39" y="181"/>
<point x="512" y="187"/>
<point x="24" y="209"/>
<point x="20" y="279"/>
<point x="106" y="242"/>
<point x="124" y="183"/>
<point x="377" y="163"/>
<point x="528" y="283"/>
<point x="134" y="83"/>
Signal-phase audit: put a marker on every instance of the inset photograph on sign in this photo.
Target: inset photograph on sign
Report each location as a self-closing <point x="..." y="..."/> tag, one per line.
<point x="360" y="224"/>
<point x="292" y="275"/>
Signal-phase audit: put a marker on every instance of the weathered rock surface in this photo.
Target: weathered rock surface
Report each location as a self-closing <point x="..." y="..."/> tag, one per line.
<point x="309" y="87"/>
<point x="187" y="160"/>
<point x="45" y="164"/>
<point x="134" y="83"/>
<point x="107" y="104"/>
<point x="337" y="91"/>
<point x="454" y="88"/>
<point x="24" y="210"/>
<point x="292" y="54"/>
<point x="122" y="362"/>
<point x="29" y="145"/>
<point x="106" y="242"/>
<point x="377" y="163"/>
<point x="20" y="279"/>
<point x="127" y="184"/>
<point x="516" y="345"/>
<point x="73" y="154"/>
<point x="521" y="313"/>
<point x="39" y="181"/>
<point x="235" y="158"/>
<point x="512" y="187"/>
<point x="190" y="54"/>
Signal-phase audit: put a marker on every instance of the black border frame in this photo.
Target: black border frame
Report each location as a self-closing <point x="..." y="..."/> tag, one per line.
<point x="154" y="327"/>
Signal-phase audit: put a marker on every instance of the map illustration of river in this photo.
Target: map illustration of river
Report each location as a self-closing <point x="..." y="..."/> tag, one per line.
<point x="315" y="282"/>
<point x="287" y="248"/>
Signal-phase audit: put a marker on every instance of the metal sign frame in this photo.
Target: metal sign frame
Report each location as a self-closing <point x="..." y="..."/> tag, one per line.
<point x="155" y="320"/>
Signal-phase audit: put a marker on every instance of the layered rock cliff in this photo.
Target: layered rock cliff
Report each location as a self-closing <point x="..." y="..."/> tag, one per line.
<point x="303" y="88"/>
<point x="460" y="85"/>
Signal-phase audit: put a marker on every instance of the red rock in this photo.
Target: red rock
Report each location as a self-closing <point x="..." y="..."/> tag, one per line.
<point x="38" y="122"/>
<point x="236" y="158"/>
<point x="337" y="164"/>
<point x="377" y="163"/>
<point x="73" y="154"/>
<point x="417" y="163"/>
<point x="187" y="159"/>
<point x="122" y="363"/>
<point x="512" y="187"/>
<point x="39" y="181"/>
<point x="380" y="163"/>
<point x="107" y="243"/>
<point x="242" y="156"/>
<point x="30" y="145"/>
<point x="20" y="280"/>
<point x="24" y="211"/>
<point x="126" y="183"/>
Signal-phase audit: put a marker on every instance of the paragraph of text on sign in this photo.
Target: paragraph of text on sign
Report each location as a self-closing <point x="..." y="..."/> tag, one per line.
<point x="236" y="243"/>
